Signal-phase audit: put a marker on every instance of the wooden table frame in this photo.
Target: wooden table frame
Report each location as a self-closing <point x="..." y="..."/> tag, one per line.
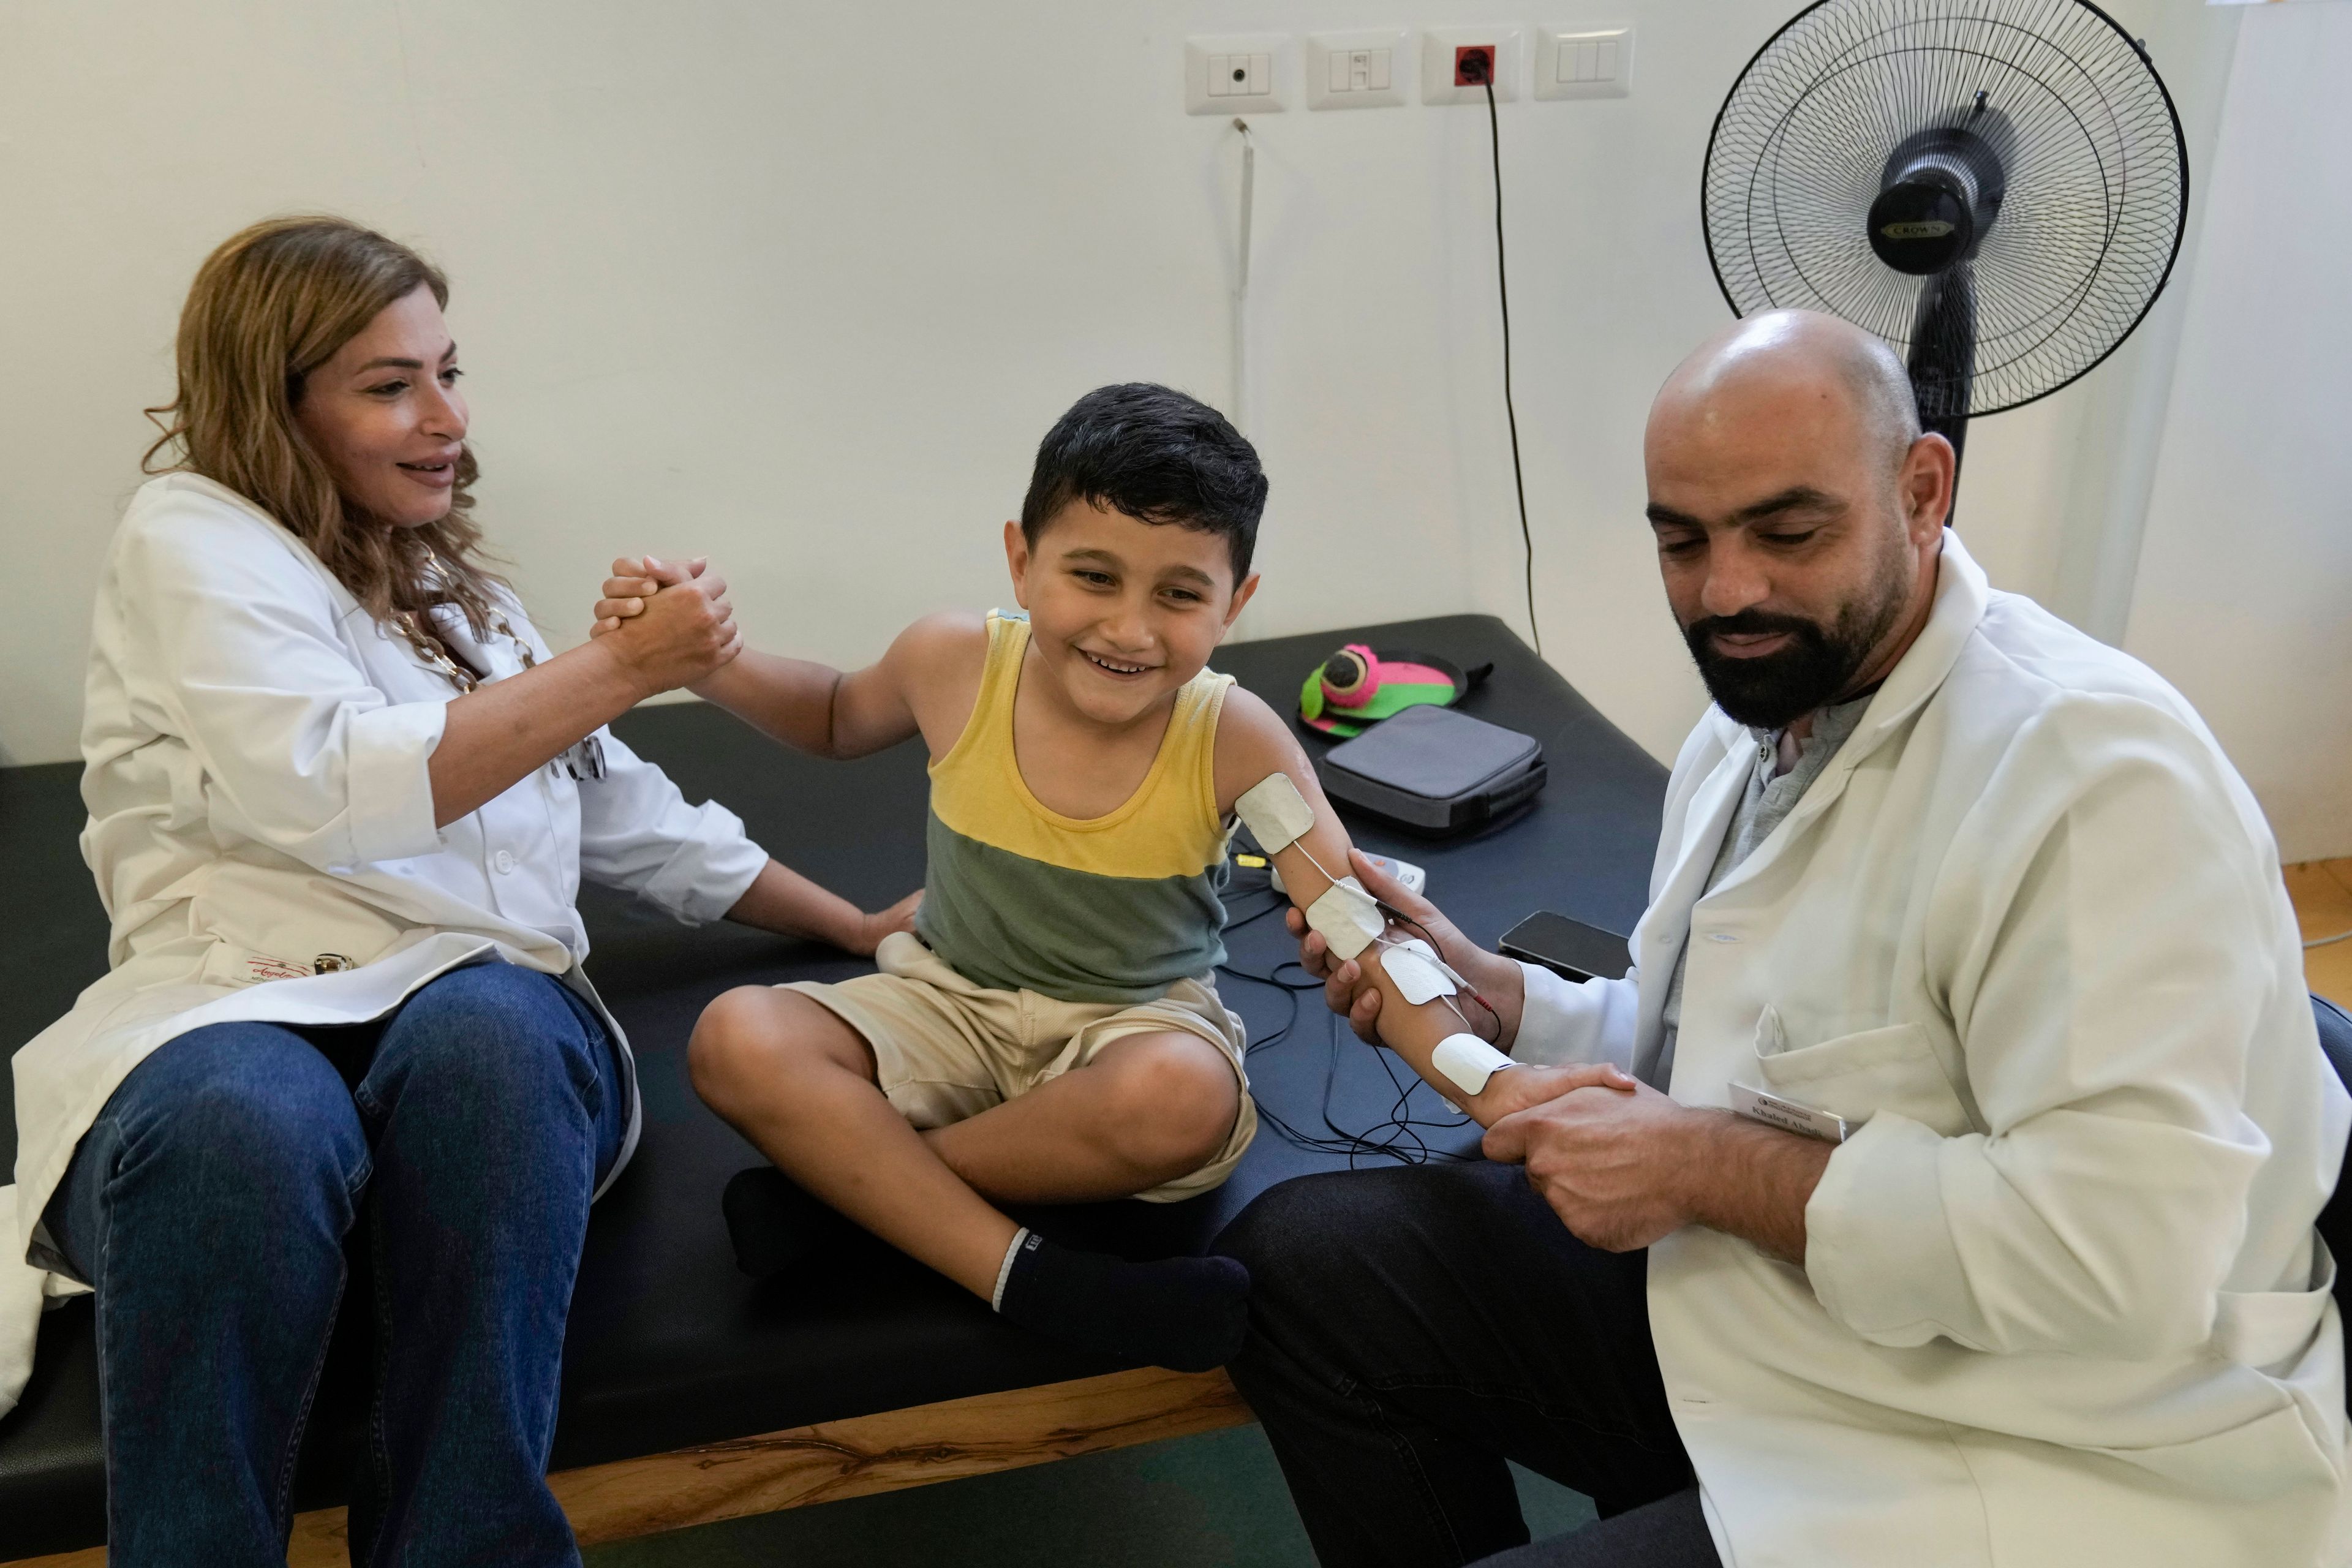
<point x="833" y="1459"/>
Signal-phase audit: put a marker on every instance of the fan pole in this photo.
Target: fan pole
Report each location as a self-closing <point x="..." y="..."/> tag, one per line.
<point x="1943" y="358"/>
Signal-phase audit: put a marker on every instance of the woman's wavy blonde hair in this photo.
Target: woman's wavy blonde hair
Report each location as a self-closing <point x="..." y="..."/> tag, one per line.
<point x="267" y="309"/>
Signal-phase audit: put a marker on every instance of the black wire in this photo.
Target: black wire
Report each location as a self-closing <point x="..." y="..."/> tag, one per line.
<point x="1510" y="409"/>
<point x="1398" y="1135"/>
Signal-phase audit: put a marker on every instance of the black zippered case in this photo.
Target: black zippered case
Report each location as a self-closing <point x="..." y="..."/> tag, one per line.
<point x="1434" y="771"/>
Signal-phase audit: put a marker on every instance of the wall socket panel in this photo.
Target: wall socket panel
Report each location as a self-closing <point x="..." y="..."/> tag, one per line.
<point x="1438" y="47"/>
<point x="1365" y="69"/>
<point x="1256" y="73"/>
<point x="1588" y="60"/>
<point x="1238" y="73"/>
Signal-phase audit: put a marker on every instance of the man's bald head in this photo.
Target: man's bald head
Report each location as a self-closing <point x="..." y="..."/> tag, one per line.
<point x="1787" y="359"/>
<point x="1797" y="508"/>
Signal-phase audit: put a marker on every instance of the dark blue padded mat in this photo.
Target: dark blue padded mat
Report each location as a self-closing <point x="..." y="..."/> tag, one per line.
<point x="668" y="1345"/>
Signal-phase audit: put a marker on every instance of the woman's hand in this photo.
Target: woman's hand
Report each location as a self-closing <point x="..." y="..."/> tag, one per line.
<point x="783" y="900"/>
<point x="679" y="630"/>
<point x="874" y="927"/>
<point x="1496" y="978"/>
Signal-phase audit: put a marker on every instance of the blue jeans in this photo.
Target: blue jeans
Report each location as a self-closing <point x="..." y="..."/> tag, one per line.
<point x="209" y="1205"/>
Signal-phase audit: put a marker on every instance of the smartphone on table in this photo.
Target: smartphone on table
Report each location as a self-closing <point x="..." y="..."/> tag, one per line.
<point x="1569" y="947"/>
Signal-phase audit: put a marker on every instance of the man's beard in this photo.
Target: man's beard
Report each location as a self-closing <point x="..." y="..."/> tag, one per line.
<point x="1817" y="665"/>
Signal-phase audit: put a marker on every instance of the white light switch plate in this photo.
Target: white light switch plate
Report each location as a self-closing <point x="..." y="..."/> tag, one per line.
<point x="1331" y="59"/>
<point x="1569" y="60"/>
<point x="1265" y="63"/>
<point x="1437" y="47"/>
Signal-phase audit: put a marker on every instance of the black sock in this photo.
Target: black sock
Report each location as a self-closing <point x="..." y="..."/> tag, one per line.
<point x="774" y="1224"/>
<point x="1188" y="1314"/>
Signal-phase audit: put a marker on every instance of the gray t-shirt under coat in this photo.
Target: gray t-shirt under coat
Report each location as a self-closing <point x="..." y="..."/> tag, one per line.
<point x="1770" y="796"/>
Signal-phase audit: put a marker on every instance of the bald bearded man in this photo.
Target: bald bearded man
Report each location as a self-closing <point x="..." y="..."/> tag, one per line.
<point x="1940" y="866"/>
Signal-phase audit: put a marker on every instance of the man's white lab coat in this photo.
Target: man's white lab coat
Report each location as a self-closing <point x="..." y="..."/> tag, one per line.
<point x="2062" y="1303"/>
<point x="254" y="752"/>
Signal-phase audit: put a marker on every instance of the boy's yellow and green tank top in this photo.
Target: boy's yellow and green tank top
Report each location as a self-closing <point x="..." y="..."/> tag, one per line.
<point x="1110" y="909"/>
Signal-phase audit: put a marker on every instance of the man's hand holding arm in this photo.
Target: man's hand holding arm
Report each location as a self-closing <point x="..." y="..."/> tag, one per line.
<point x="1624" y="1166"/>
<point x="1620" y="1162"/>
<point x="1354" y="988"/>
<point x="1251" y="742"/>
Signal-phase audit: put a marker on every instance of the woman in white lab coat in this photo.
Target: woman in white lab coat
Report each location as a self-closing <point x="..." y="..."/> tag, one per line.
<point x="341" y="799"/>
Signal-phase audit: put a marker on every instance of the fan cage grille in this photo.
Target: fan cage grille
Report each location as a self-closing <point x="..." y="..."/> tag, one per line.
<point x="2097" y="177"/>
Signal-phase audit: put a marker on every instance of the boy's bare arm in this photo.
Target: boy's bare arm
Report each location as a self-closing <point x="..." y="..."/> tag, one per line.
<point x="811" y="707"/>
<point x="1253" y="741"/>
<point x="793" y="700"/>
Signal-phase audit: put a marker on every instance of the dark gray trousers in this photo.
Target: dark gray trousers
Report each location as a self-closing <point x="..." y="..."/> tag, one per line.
<point x="1413" y="1327"/>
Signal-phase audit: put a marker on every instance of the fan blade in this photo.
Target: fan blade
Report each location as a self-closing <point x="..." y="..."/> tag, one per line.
<point x="1870" y="145"/>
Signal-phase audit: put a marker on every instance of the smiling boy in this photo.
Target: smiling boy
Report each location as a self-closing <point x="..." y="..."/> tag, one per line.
<point x="1051" y="1032"/>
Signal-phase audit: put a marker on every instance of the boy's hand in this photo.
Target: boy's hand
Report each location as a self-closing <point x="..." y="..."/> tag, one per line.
<point x="1497" y="978"/>
<point x="1515" y="1089"/>
<point x="899" y="916"/>
<point x="633" y="581"/>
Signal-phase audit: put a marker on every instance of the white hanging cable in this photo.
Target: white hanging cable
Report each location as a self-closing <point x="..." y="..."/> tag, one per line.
<point x="1241" y="282"/>
<point x="2326" y="941"/>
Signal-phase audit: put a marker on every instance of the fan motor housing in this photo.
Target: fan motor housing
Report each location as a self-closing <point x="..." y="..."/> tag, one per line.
<point x="1940" y="191"/>
<point x="2038" y="131"/>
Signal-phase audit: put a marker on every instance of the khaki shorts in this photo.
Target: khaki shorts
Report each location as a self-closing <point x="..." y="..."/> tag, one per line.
<point x="945" y="1049"/>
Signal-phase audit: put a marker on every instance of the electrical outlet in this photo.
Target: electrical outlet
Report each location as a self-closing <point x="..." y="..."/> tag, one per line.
<point x="1444" y="52"/>
<point x="1474" y="64"/>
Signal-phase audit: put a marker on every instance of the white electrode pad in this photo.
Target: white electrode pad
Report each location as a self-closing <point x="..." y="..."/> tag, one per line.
<point x="1414" y="879"/>
<point x="1417" y="971"/>
<point x="1275" y="812"/>
<point x="1466" y="1062"/>
<point x="1347" y="917"/>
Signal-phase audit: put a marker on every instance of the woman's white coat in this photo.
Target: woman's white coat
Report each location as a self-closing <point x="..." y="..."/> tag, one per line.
<point x="255" y="750"/>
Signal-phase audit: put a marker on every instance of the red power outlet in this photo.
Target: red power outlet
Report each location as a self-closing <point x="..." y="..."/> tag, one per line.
<point x="1474" y="64"/>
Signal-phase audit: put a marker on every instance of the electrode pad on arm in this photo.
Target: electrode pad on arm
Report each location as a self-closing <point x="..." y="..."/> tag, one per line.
<point x="1347" y="917"/>
<point x="1276" y="815"/>
<point x="1466" y="1062"/>
<point x="1418" y="972"/>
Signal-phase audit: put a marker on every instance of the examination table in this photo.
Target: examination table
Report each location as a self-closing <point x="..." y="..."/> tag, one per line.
<point x="692" y="1394"/>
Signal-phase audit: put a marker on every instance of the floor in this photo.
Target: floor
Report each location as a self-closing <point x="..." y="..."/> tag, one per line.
<point x="1211" y="1501"/>
<point x="2322" y="891"/>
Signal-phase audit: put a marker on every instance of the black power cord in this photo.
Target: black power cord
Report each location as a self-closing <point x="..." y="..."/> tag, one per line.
<point x="1395" y="1137"/>
<point x="1478" y="65"/>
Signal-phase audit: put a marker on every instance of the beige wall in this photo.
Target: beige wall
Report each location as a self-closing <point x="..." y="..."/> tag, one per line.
<point x="801" y="286"/>
<point x="2243" y="592"/>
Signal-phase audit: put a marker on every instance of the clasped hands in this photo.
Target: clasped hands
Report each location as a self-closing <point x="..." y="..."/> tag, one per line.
<point x="669" y="621"/>
<point x="1612" y="1155"/>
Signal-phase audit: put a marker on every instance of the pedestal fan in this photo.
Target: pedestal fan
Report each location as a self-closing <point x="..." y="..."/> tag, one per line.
<point x="1995" y="188"/>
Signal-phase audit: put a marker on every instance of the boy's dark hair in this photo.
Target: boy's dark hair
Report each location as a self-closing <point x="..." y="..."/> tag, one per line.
<point x="1158" y="457"/>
